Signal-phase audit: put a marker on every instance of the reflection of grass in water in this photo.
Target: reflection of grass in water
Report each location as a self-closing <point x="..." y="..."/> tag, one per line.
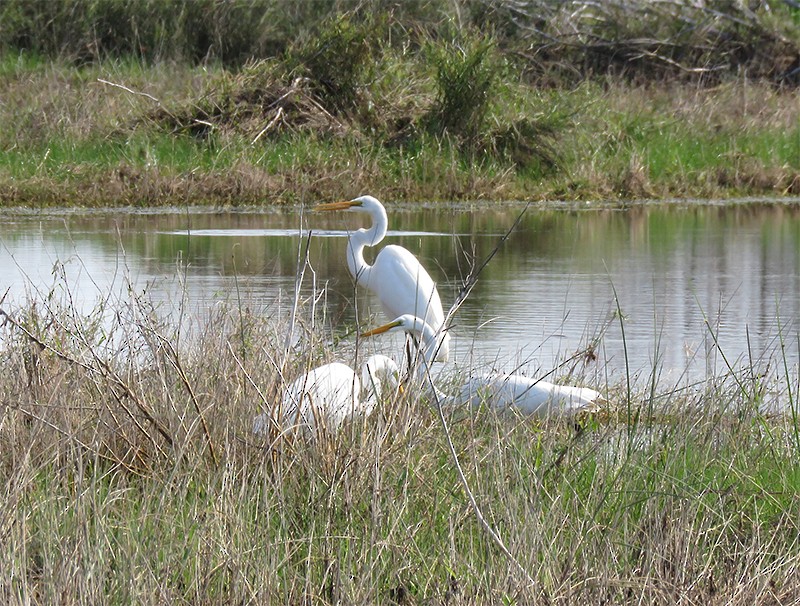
<point x="129" y="471"/>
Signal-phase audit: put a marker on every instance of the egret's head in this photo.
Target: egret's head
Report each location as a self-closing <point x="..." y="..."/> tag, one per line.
<point x="410" y="324"/>
<point x="360" y="204"/>
<point x="403" y="323"/>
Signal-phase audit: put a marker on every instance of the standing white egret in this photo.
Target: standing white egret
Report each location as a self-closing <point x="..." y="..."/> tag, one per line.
<point x="397" y="277"/>
<point x="326" y="396"/>
<point x="500" y="391"/>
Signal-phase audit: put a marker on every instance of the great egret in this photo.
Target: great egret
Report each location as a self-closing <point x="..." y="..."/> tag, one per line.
<point x="501" y="391"/>
<point x="326" y="396"/>
<point x="397" y="277"/>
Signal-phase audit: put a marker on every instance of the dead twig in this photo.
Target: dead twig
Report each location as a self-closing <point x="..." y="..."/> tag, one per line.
<point x="468" y="284"/>
<point x="269" y="126"/>
<point x="129" y="90"/>
<point x="470" y="495"/>
<point x="472" y="277"/>
<point x="176" y="364"/>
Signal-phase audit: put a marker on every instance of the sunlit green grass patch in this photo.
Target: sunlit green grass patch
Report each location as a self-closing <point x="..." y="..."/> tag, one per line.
<point x="63" y="159"/>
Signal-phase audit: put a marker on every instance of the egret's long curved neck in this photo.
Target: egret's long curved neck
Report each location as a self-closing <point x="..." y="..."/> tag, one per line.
<point x="427" y="336"/>
<point x="365" y="237"/>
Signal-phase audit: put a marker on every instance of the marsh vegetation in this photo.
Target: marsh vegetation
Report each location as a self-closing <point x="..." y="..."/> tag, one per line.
<point x="128" y="467"/>
<point x="130" y="474"/>
<point x="250" y="103"/>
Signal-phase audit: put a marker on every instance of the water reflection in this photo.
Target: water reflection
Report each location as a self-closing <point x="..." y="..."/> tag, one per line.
<point x="685" y="281"/>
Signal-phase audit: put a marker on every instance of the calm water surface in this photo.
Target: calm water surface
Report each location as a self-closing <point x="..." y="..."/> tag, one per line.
<point x="689" y="281"/>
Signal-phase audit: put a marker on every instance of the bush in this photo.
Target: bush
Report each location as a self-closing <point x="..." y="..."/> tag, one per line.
<point x="465" y="72"/>
<point x="337" y="60"/>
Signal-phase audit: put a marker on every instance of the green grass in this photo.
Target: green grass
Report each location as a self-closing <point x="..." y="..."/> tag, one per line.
<point x="58" y="158"/>
<point x="14" y="65"/>
<point x="674" y="149"/>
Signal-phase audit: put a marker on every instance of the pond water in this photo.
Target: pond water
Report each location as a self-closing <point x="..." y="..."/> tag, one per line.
<point x="664" y="288"/>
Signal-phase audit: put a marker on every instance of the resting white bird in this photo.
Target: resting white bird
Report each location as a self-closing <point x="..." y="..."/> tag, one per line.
<point x="500" y="391"/>
<point x="397" y="277"/>
<point x="326" y="396"/>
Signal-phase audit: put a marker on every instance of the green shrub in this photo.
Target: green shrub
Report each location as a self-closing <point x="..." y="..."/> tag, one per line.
<point x="337" y="60"/>
<point x="465" y="72"/>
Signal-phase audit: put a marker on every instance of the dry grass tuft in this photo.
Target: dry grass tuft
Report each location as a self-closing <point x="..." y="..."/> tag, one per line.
<point x="262" y="100"/>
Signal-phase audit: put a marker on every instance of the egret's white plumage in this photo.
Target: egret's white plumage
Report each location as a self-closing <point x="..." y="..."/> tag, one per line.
<point x="500" y="391"/>
<point x="397" y="277"/>
<point x="326" y="396"/>
<point x="526" y="395"/>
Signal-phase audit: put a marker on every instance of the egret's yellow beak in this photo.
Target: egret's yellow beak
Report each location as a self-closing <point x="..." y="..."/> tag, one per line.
<point x="343" y="205"/>
<point x="381" y="329"/>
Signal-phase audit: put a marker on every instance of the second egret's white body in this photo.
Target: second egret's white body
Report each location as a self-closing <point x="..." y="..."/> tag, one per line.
<point x="500" y="391"/>
<point x="397" y="277"/>
<point x="525" y="395"/>
<point x="327" y="396"/>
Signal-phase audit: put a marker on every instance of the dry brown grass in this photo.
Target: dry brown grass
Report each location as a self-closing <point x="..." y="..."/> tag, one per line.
<point x="129" y="474"/>
<point x="51" y="101"/>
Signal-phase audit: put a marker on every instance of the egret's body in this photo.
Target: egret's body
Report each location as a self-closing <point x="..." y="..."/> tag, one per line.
<point x="327" y="396"/>
<point x="526" y="395"/>
<point x="500" y="391"/>
<point x="397" y="277"/>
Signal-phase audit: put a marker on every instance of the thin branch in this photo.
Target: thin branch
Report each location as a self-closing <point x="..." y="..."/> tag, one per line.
<point x="104" y="371"/>
<point x="255" y="386"/>
<point x="298" y="283"/>
<point x="469" y="283"/>
<point x="278" y="115"/>
<point x="472" y="278"/>
<point x="176" y="364"/>
<point x="7" y="319"/>
<point x="129" y="90"/>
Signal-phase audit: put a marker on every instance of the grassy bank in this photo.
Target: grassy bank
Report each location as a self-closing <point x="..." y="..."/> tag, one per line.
<point x="406" y="106"/>
<point x="129" y="474"/>
<point x="71" y="138"/>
